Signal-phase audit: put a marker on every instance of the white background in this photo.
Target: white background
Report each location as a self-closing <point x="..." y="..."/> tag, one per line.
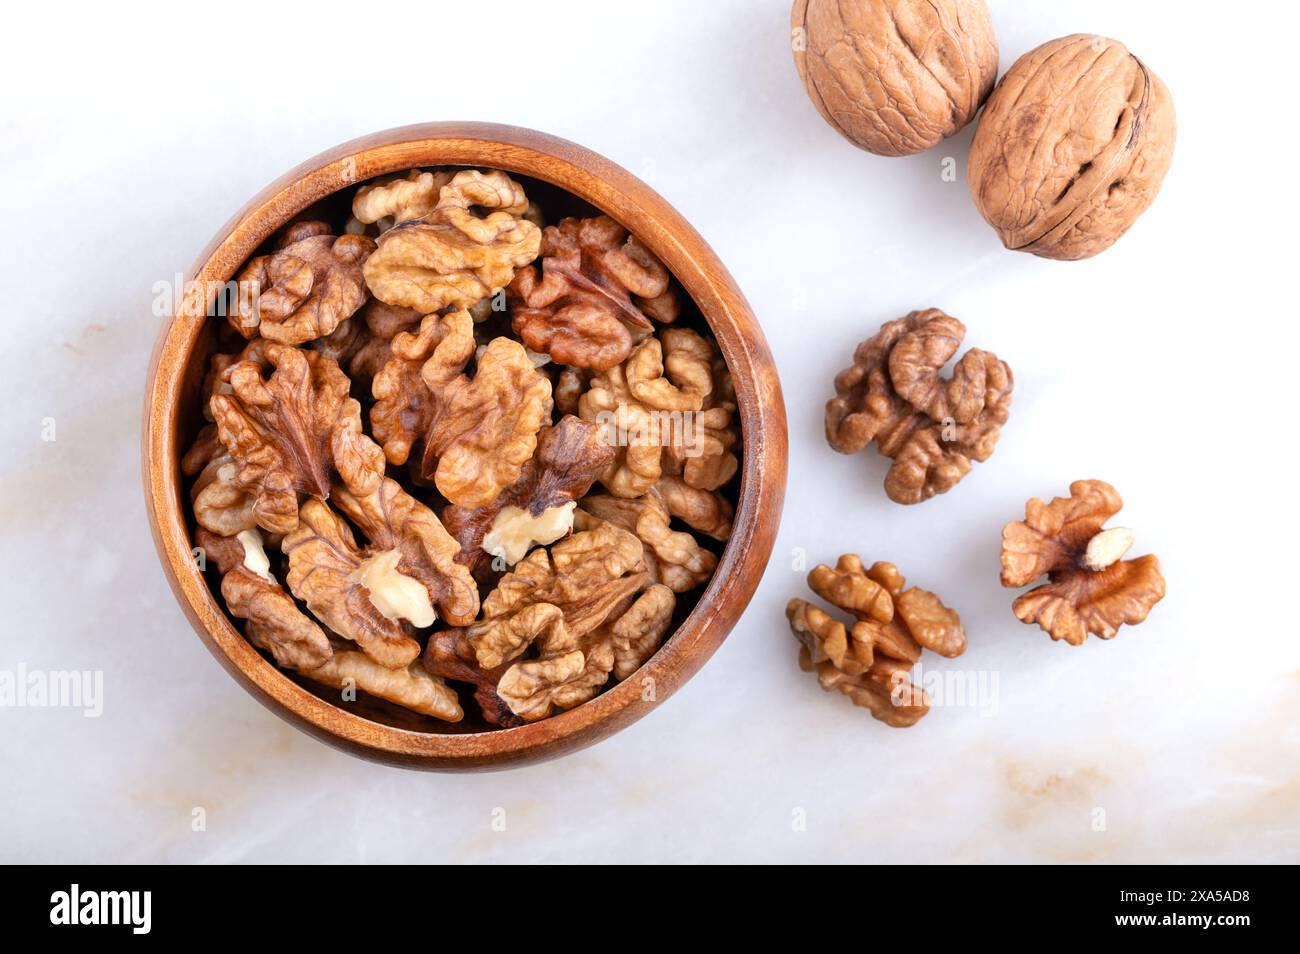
<point x="1164" y="366"/>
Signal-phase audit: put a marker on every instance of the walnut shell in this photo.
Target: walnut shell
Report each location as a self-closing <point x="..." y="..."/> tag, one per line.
<point x="895" y="77"/>
<point x="1072" y="147"/>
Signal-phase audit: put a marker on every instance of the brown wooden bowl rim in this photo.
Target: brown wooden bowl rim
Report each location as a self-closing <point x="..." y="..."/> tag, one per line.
<point x="631" y="202"/>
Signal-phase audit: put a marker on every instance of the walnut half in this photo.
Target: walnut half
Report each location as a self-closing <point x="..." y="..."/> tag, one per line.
<point x="538" y="507"/>
<point x="451" y="255"/>
<point x="932" y="427"/>
<point x="474" y="434"/>
<point x="668" y="409"/>
<point x="869" y="661"/>
<point x="557" y="627"/>
<point x="280" y="422"/>
<point x="1089" y="588"/>
<point x="252" y="593"/>
<point x="305" y="289"/>
<point x="593" y="295"/>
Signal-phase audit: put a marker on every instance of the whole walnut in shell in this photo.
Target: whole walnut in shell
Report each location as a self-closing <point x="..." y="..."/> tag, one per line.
<point x="1072" y="147"/>
<point x="895" y="77"/>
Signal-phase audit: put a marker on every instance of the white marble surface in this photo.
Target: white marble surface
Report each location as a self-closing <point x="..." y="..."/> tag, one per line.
<point x="1165" y="366"/>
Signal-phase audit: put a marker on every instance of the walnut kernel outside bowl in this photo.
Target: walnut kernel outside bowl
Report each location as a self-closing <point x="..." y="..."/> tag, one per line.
<point x="171" y="417"/>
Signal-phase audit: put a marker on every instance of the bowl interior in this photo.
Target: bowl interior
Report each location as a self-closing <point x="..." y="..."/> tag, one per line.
<point x="562" y="188"/>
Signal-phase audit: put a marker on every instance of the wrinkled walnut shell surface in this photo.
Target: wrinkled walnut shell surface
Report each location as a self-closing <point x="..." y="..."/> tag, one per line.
<point x="1072" y="147"/>
<point x="895" y="77"/>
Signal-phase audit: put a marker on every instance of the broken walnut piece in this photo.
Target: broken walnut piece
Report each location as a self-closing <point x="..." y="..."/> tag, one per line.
<point x="636" y="632"/>
<point x="449" y="655"/>
<point x="569" y="670"/>
<point x="704" y="510"/>
<point x="568" y="389"/>
<point x="585" y="575"/>
<point x="673" y="557"/>
<point x="562" y="669"/>
<point x="450" y="256"/>
<point x="870" y="660"/>
<point x="648" y="408"/>
<point x="703" y="450"/>
<point x="207" y="446"/>
<point x="393" y="521"/>
<point x="410" y="389"/>
<point x="488" y="429"/>
<point x="396" y="199"/>
<point x="629" y="427"/>
<point x="411" y="687"/>
<point x="570" y="592"/>
<point x="279" y="429"/>
<point x="325" y="572"/>
<point x="305" y="289"/>
<point x="393" y="593"/>
<point x="215" y="381"/>
<point x="515" y="530"/>
<point x="474" y="434"/>
<point x="566" y="672"/>
<point x="275" y="624"/>
<point x="381" y="323"/>
<point x="567" y="667"/>
<point x="253" y="594"/>
<point x="593" y="294"/>
<point x="220" y="504"/>
<point x="538" y="507"/>
<point x="205" y="449"/>
<point x="931" y="427"/>
<point x="1090" y="588"/>
<point x="673" y="372"/>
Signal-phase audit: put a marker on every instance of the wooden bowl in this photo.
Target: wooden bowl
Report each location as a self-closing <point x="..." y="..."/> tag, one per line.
<point x="171" y="417"/>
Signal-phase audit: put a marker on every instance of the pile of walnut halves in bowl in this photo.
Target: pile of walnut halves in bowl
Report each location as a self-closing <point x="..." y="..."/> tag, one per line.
<point x="451" y="450"/>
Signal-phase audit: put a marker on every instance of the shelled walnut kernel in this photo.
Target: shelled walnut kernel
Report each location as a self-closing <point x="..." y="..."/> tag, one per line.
<point x="390" y="499"/>
<point x="1090" y="588"/>
<point x="930" y="426"/>
<point x="870" y="659"/>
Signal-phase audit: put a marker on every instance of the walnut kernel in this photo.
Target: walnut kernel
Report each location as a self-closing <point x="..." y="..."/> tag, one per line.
<point x="870" y="661"/>
<point x="450" y="256"/>
<point x="932" y="428"/>
<point x="1090" y="588"/>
